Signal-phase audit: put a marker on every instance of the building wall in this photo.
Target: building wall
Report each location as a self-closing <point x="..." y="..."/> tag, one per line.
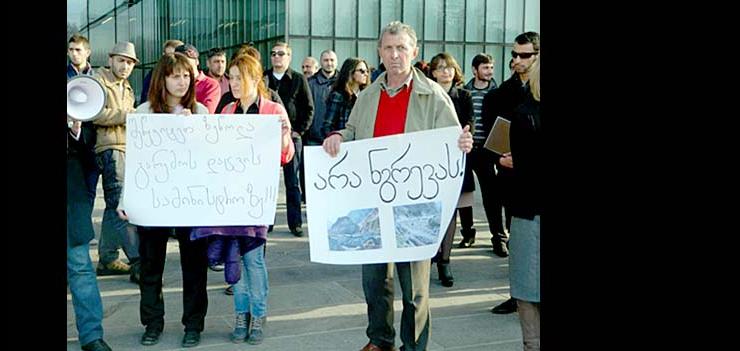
<point x="349" y="27"/>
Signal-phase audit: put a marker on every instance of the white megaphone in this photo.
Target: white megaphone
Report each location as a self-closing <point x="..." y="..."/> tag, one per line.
<point x="85" y="98"/>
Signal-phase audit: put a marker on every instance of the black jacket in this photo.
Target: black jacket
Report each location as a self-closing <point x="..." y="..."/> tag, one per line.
<point x="527" y="155"/>
<point x="228" y="98"/>
<point x="463" y="102"/>
<point x="296" y="95"/>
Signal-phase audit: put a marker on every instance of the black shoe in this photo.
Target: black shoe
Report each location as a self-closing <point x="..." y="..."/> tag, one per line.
<point x="191" y="338"/>
<point x="445" y="275"/>
<point x="150" y="337"/>
<point x="466" y="242"/>
<point x="229" y="290"/>
<point x="499" y="248"/>
<point x="135" y="275"/>
<point x="97" y="345"/>
<point x="506" y="307"/>
<point x="269" y="229"/>
<point x="297" y="231"/>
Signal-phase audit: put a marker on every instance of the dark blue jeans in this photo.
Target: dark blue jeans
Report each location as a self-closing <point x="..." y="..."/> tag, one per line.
<point x="292" y="186"/>
<point x="114" y="232"/>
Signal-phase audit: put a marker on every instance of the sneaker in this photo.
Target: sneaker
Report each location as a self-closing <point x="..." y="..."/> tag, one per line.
<point x="218" y="267"/>
<point x="116" y="267"/>
<point x="97" y="345"/>
<point x="255" y="330"/>
<point x="241" y="328"/>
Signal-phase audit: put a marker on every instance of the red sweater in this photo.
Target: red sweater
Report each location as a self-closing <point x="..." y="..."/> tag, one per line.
<point x="207" y="91"/>
<point x="391" y="117"/>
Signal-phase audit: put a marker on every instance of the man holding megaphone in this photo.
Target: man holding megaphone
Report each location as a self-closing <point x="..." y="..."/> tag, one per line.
<point x="82" y="179"/>
<point x="110" y="148"/>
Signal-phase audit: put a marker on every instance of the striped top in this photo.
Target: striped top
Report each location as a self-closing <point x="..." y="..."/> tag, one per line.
<point x="480" y="134"/>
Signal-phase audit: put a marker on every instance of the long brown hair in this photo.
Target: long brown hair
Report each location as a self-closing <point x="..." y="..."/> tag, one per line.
<point x="167" y="64"/>
<point x="250" y="68"/>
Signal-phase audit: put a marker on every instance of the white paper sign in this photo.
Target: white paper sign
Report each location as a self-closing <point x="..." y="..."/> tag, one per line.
<point x="387" y="199"/>
<point x="201" y="170"/>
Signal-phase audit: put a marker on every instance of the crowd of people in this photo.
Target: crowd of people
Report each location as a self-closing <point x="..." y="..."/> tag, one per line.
<point x="321" y="105"/>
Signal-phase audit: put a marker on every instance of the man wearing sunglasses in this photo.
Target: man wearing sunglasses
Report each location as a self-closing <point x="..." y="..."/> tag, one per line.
<point x="503" y="102"/>
<point x="296" y="95"/>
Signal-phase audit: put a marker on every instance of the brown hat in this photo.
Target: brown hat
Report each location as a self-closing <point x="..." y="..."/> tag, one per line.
<point x="126" y="49"/>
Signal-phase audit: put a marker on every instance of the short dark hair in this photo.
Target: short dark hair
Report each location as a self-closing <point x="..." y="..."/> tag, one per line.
<point x="216" y="52"/>
<point x="79" y="39"/>
<point x="481" y="59"/>
<point x="527" y="38"/>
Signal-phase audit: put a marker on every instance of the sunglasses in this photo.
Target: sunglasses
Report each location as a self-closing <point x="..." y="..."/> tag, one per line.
<point x="523" y="55"/>
<point x="277" y="53"/>
<point x="363" y="71"/>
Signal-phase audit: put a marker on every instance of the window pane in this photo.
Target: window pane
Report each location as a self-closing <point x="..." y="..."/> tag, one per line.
<point x="495" y="21"/>
<point x="322" y="18"/>
<point x="368" y="50"/>
<point x="412" y="15"/>
<point x="455" y="20"/>
<point x="102" y="40"/>
<point x="122" y="24"/>
<point x="430" y="49"/>
<point x="474" y="24"/>
<point x="456" y="50"/>
<point x="500" y="64"/>
<point x="346" y="24"/>
<point x="281" y="17"/>
<point x="532" y="16"/>
<point x="76" y="16"/>
<point x="433" y="20"/>
<point x="368" y="17"/>
<point x="319" y="45"/>
<point x="299" y="17"/>
<point x="389" y="11"/>
<point x="514" y="19"/>
<point x="99" y="8"/>
<point x="300" y="51"/>
<point x="467" y="63"/>
<point x="344" y="49"/>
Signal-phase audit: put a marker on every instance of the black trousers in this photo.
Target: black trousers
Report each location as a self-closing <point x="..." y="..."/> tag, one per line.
<point x="194" y="265"/>
<point x="483" y="163"/>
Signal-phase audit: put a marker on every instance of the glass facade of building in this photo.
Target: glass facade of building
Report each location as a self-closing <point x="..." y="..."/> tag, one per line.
<point x="349" y="27"/>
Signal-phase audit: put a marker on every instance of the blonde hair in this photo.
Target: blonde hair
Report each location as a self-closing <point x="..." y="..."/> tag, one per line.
<point x="534" y="78"/>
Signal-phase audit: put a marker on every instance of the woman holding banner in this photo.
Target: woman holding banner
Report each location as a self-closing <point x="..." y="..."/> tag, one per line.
<point x="172" y="90"/>
<point x="250" y="292"/>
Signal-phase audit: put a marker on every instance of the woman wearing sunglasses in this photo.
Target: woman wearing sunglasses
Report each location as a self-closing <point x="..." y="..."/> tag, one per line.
<point x="447" y="73"/>
<point x="353" y="78"/>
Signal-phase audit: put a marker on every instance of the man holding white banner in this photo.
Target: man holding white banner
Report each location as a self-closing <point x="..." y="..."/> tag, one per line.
<point x="400" y="101"/>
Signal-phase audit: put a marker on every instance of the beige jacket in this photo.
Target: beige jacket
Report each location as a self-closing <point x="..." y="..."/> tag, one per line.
<point x="429" y="108"/>
<point x="111" y="123"/>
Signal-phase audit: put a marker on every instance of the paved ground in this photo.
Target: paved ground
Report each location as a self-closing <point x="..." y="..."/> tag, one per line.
<point x="316" y="306"/>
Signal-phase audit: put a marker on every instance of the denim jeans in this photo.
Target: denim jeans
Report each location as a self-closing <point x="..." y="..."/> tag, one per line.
<point x="292" y="186"/>
<point x="114" y="233"/>
<point x="85" y="294"/>
<point x="250" y="292"/>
